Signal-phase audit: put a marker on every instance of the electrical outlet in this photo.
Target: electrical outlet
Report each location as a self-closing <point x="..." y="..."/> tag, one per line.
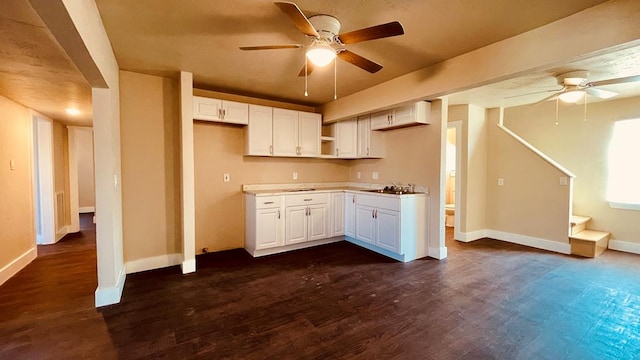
<point x="358" y="174"/>
<point x="295" y="175"/>
<point x="500" y="181"/>
<point x="374" y="175"/>
<point x="563" y="181"/>
<point x="226" y="177"/>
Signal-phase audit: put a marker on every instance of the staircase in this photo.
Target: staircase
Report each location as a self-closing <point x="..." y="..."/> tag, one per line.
<point x="585" y="242"/>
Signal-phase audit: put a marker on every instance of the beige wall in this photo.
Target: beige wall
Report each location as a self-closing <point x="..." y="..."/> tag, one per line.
<point x="581" y="146"/>
<point x="17" y="232"/>
<point x="531" y="202"/>
<point x="61" y="169"/>
<point x="84" y="157"/>
<point x="219" y="149"/>
<point x="150" y="166"/>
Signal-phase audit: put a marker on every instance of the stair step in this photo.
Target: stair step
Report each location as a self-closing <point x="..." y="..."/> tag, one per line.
<point x="579" y="223"/>
<point x="589" y="243"/>
<point x="579" y="220"/>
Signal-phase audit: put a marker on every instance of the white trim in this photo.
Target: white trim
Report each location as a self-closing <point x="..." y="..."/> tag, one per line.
<point x="626" y="246"/>
<point x="111" y="295"/>
<point x="151" y="263"/>
<point x="625" y="206"/>
<point x="44" y="189"/>
<point x="457" y="125"/>
<point x="188" y="266"/>
<point x="437" y="253"/>
<point x="538" y="243"/>
<point x="74" y="220"/>
<point x="543" y="156"/>
<point x="17" y="264"/>
<point x="86" y="209"/>
<point x="303" y="245"/>
<point x="62" y="232"/>
<point x="472" y="236"/>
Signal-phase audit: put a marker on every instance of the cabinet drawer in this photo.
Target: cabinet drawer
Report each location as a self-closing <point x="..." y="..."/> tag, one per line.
<point x="379" y="201"/>
<point x="306" y="199"/>
<point x="266" y="202"/>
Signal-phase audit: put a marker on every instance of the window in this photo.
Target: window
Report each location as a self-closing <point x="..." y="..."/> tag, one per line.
<point x="624" y="168"/>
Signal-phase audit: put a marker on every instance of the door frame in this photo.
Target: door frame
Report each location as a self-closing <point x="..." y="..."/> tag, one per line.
<point x="43" y="182"/>
<point x="457" y="182"/>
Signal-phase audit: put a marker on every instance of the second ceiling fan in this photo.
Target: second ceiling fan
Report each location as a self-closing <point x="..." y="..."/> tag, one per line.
<point x="327" y="43"/>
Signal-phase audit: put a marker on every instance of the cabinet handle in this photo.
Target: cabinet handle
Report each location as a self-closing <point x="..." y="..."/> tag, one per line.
<point x="308" y="199"/>
<point x="278" y="213"/>
<point x="367" y="151"/>
<point x="271" y="149"/>
<point x="337" y="152"/>
<point x="372" y="212"/>
<point x="376" y="213"/>
<point x="224" y="112"/>
<point x="268" y="202"/>
<point x="353" y="199"/>
<point x="220" y="114"/>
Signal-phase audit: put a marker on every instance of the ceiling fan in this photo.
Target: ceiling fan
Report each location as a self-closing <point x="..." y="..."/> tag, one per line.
<point x="326" y="41"/>
<point x="575" y="85"/>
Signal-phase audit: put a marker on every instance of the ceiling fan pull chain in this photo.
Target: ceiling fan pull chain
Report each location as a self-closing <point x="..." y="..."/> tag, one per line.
<point x="557" y="105"/>
<point x="585" y="107"/>
<point x="305" y="77"/>
<point x="335" y="79"/>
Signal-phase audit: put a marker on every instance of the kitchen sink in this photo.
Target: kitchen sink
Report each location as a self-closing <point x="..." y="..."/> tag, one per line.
<point x="390" y="191"/>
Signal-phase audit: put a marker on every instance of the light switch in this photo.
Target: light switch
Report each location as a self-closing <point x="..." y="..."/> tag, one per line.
<point x="12" y="164"/>
<point x="358" y="174"/>
<point x="374" y="175"/>
<point x="226" y="177"/>
<point x="500" y="181"/>
<point x="295" y="175"/>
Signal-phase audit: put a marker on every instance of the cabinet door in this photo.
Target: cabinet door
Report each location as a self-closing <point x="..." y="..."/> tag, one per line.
<point x="258" y="139"/>
<point x="347" y="139"/>
<point x="364" y="132"/>
<point x="206" y="108"/>
<point x="268" y="228"/>
<point x="318" y="222"/>
<point x="404" y="115"/>
<point x="365" y="224"/>
<point x="285" y="132"/>
<point x="387" y="229"/>
<point x="235" y="112"/>
<point x="296" y="224"/>
<point x="381" y="120"/>
<point x="309" y="133"/>
<point x="337" y="214"/>
<point x="350" y="215"/>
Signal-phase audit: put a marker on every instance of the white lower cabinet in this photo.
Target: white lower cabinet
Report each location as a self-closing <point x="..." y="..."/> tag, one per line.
<point x="391" y="225"/>
<point x="337" y="214"/>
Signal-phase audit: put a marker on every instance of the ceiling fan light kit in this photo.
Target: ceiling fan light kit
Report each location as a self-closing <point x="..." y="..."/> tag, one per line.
<point x="572" y="96"/>
<point x="327" y="43"/>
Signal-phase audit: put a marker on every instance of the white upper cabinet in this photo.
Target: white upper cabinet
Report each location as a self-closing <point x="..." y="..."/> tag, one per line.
<point x="296" y="133"/>
<point x="346" y="139"/>
<point x="370" y="143"/>
<point x="220" y="110"/>
<point x="259" y="133"/>
<point x="414" y="114"/>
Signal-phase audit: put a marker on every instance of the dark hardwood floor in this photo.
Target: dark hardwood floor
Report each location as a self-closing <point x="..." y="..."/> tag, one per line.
<point x="488" y="300"/>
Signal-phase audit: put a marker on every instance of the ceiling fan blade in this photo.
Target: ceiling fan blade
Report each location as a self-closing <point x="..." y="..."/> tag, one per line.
<point x="309" y="68"/>
<point x="534" y="93"/>
<point x="599" y="93"/>
<point x="371" y="33"/>
<point x="271" y="47"/>
<point x="359" y="61"/>
<point x="552" y="96"/>
<point x="299" y="20"/>
<point x="627" y="79"/>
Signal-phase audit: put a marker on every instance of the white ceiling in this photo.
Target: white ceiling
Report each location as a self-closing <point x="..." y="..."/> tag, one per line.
<point x="163" y="37"/>
<point x="34" y="69"/>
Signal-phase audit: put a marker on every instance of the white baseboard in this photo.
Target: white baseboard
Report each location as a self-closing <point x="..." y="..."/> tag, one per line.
<point x="538" y="243"/>
<point x="61" y="233"/>
<point x="626" y="246"/>
<point x="150" y="263"/>
<point x="111" y="295"/>
<point x="437" y="253"/>
<point x="188" y="266"/>
<point x="281" y="249"/>
<point x="17" y="264"/>
<point x="472" y="236"/>
<point x="86" y="209"/>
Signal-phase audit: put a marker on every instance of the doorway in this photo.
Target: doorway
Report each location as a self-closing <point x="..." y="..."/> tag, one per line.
<point x="453" y="176"/>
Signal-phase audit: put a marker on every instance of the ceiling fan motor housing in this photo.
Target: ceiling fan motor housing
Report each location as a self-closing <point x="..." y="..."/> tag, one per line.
<point x="326" y="25"/>
<point x="573" y="78"/>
